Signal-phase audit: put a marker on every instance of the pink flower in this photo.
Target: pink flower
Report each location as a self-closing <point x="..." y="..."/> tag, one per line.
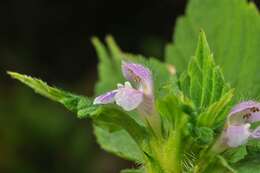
<point x="238" y="130"/>
<point x="128" y="97"/>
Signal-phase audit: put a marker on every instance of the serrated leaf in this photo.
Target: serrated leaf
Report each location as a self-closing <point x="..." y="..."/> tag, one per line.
<point x="80" y="105"/>
<point x="203" y="82"/>
<point x="233" y="29"/>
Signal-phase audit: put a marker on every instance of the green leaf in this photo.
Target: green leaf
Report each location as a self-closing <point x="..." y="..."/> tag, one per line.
<point x="233" y="155"/>
<point x="225" y="164"/>
<point x="116" y="53"/>
<point x="170" y="108"/>
<point x="175" y="128"/>
<point x="121" y="142"/>
<point x="204" y="135"/>
<point x="119" y="133"/>
<point x="253" y="145"/>
<point x="217" y="112"/>
<point x="112" y="116"/>
<point x="233" y="29"/>
<point x="109" y="65"/>
<point x="118" y="142"/>
<point x="203" y="83"/>
<point x="80" y="105"/>
<point x="141" y="170"/>
<point x="85" y="107"/>
<point x="251" y="164"/>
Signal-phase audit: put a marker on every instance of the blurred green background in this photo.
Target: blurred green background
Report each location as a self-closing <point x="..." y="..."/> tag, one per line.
<point x="51" y="40"/>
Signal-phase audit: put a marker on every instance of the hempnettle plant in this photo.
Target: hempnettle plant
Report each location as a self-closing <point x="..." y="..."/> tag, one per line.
<point x="179" y="116"/>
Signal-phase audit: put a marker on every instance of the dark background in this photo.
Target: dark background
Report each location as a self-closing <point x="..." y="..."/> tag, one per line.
<point x="51" y="40"/>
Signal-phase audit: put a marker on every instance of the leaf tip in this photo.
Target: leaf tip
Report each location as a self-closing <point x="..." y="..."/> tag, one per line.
<point x="203" y="48"/>
<point x="110" y="38"/>
<point x="15" y="75"/>
<point x="94" y="40"/>
<point x="202" y="37"/>
<point x="11" y="73"/>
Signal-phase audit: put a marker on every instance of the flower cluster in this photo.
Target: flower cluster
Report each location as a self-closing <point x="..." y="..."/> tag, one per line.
<point x="238" y="130"/>
<point x="129" y="97"/>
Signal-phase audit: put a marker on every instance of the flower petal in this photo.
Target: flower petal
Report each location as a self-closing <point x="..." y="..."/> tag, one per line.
<point x="128" y="98"/>
<point x="254" y="117"/>
<point x="243" y="106"/>
<point x="237" y="135"/>
<point x="138" y="74"/>
<point x="243" y="112"/>
<point x="256" y="133"/>
<point x="106" y="98"/>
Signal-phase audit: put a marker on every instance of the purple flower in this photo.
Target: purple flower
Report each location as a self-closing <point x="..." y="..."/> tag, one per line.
<point x="128" y="97"/>
<point x="238" y="130"/>
<point x="256" y="133"/>
<point x="248" y="111"/>
<point x="139" y="75"/>
<point x="237" y="135"/>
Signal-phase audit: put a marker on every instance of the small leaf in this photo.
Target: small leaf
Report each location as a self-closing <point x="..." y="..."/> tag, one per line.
<point x="109" y="65"/>
<point x="80" y="105"/>
<point x="203" y="82"/>
<point x="233" y="155"/>
<point x="217" y="112"/>
<point x="116" y="53"/>
<point x="204" y="135"/>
